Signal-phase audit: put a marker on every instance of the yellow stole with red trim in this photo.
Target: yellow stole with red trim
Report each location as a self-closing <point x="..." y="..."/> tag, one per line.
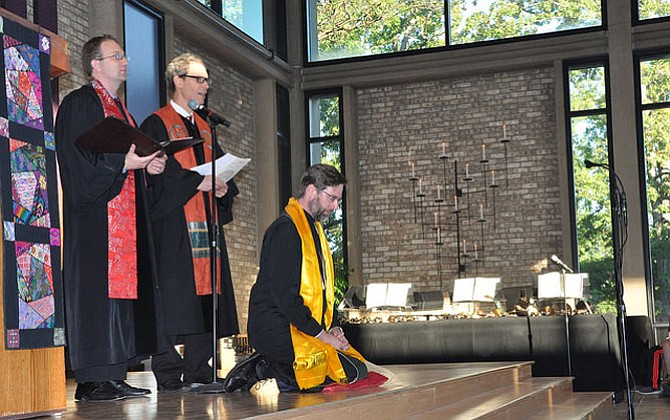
<point x="196" y="215"/>
<point x="314" y="359"/>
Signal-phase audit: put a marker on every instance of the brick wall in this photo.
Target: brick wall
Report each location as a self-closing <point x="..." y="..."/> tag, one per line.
<point x="403" y="123"/>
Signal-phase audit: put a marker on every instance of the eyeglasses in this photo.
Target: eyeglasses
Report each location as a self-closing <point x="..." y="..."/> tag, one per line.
<point x="119" y="56"/>
<point x="333" y="198"/>
<point x="199" y="79"/>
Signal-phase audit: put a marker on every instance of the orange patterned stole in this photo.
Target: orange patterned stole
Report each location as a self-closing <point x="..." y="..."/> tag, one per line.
<point x="196" y="215"/>
<point x="122" y="232"/>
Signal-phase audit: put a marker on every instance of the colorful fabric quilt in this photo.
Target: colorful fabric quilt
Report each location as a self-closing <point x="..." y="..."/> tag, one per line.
<point x="31" y="278"/>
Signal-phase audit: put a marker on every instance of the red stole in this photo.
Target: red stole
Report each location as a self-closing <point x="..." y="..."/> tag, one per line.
<point x="122" y="232"/>
<point x="196" y="215"/>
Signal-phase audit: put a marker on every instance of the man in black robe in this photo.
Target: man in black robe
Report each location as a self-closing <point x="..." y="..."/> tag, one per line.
<point x="108" y="277"/>
<point x="293" y="323"/>
<point x="181" y="223"/>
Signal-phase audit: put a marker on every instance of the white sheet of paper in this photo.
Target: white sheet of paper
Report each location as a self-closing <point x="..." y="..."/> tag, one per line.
<point x="375" y="295"/>
<point x="227" y="166"/>
<point x="396" y="294"/>
<point x="550" y="285"/>
<point x="485" y="289"/>
<point x="463" y="290"/>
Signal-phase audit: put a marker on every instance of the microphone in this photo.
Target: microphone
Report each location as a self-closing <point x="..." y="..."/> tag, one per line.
<point x="560" y="263"/>
<point x="591" y="164"/>
<point x="212" y="116"/>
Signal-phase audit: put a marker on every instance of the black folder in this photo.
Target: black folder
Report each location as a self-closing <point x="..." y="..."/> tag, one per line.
<point x="113" y="135"/>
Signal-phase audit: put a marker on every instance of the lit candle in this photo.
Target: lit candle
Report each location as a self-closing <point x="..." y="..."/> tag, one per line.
<point x="456" y="202"/>
<point x="467" y="170"/>
<point x="493" y="177"/>
<point x="465" y="246"/>
<point x="420" y="185"/>
<point x="439" y="235"/>
<point x="439" y="192"/>
<point x="475" y="250"/>
<point x="504" y="131"/>
<point x="481" y="211"/>
<point x="435" y="214"/>
<point x="483" y="152"/>
<point x="444" y="149"/>
<point x="413" y="173"/>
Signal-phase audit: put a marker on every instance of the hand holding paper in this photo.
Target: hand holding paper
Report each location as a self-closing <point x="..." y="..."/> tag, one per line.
<point x="227" y="166"/>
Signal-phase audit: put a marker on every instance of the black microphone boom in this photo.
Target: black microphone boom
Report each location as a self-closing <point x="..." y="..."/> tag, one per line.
<point x="561" y="264"/>
<point x="208" y="114"/>
<point x="591" y="164"/>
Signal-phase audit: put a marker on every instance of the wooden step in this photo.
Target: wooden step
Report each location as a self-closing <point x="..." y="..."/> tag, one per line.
<point x="496" y="402"/>
<point x="581" y="405"/>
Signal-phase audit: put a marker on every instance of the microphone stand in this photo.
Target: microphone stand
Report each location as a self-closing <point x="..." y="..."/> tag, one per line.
<point x="215" y="387"/>
<point x="620" y="236"/>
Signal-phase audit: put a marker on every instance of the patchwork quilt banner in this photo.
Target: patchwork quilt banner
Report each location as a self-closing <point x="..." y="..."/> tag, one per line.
<point x="31" y="272"/>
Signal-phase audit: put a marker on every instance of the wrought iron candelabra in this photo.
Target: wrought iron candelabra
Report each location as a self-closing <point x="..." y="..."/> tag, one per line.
<point x="472" y="185"/>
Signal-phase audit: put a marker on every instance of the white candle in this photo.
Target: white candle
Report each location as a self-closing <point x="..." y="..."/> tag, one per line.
<point x="467" y="170"/>
<point x="435" y="214"/>
<point x="465" y="247"/>
<point x="483" y="152"/>
<point x="420" y="185"/>
<point x="456" y="202"/>
<point x="481" y="211"/>
<point x="444" y="149"/>
<point x="413" y="173"/>
<point x="504" y="131"/>
<point x="475" y="250"/>
<point x="493" y="177"/>
<point x="439" y="192"/>
<point x="439" y="235"/>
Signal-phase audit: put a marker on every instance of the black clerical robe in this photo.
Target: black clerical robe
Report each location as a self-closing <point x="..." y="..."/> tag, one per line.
<point x="185" y="312"/>
<point x="100" y="331"/>
<point x="275" y="302"/>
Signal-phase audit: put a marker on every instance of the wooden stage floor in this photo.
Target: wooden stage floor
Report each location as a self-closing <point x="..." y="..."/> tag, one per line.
<point x="244" y="404"/>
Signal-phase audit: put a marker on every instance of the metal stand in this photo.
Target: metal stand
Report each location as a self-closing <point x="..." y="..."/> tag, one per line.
<point x="620" y="236"/>
<point x="215" y="387"/>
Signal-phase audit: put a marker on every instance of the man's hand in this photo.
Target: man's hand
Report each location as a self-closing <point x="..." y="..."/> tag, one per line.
<point x="135" y="161"/>
<point x="335" y="339"/>
<point x="157" y="165"/>
<point x="220" y="187"/>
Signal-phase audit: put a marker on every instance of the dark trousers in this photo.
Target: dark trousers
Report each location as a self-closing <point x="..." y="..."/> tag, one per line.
<point x="101" y="373"/>
<point x="194" y="366"/>
<point x="354" y="369"/>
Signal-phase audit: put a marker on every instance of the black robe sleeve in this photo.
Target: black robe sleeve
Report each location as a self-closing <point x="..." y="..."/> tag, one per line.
<point x="89" y="179"/>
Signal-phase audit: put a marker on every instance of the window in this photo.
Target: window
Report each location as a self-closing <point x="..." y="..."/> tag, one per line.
<point x="339" y="29"/>
<point x="247" y="15"/>
<point x="325" y="145"/>
<point x="651" y="9"/>
<point x="592" y="221"/>
<point x="654" y="94"/>
<point x="145" y="89"/>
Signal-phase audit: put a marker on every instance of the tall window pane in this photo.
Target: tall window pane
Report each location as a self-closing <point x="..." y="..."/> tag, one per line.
<point x="143" y="33"/>
<point x="246" y="15"/>
<point x="592" y="218"/>
<point x="325" y="145"/>
<point x="651" y="9"/>
<point x="338" y="29"/>
<point x="655" y="95"/>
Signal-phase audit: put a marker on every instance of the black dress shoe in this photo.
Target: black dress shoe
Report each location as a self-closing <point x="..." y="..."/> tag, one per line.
<point x="97" y="391"/>
<point x="173" y="385"/>
<point x="127" y="390"/>
<point x="243" y="375"/>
